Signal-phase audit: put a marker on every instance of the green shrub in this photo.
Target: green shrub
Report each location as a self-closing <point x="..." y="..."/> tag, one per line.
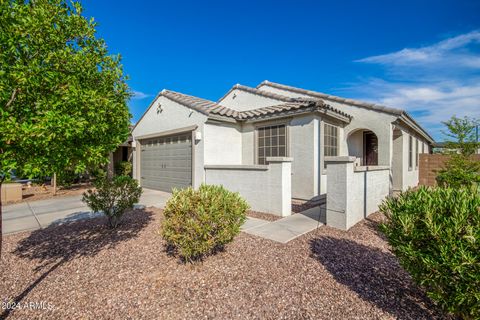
<point x="460" y="171"/>
<point x="199" y="222"/>
<point x="123" y="168"/>
<point x="113" y="197"/>
<point x="435" y="233"/>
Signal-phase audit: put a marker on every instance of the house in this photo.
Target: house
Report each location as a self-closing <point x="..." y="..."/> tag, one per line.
<point x="182" y="140"/>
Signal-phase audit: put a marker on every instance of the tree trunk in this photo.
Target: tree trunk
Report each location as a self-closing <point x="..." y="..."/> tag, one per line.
<point x="54" y="180"/>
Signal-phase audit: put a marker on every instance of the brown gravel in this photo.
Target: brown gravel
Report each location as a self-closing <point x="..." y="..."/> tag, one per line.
<point x="263" y="215"/>
<point x="300" y="206"/>
<point x="34" y="193"/>
<point x="83" y="270"/>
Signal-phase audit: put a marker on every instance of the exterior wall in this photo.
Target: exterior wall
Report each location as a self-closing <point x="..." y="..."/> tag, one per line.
<point x="248" y="144"/>
<point x="303" y="145"/>
<point x="378" y="122"/>
<point x="172" y="116"/>
<point x="267" y="188"/>
<point x="353" y="192"/>
<point x="286" y="93"/>
<point x="223" y="143"/>
<point x="398" y="160"/>
<point x="241" y="100"/>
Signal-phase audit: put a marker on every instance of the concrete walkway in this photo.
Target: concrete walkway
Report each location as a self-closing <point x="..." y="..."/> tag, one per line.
<point x="288" y="228"/>
<point x="40" y="214"/>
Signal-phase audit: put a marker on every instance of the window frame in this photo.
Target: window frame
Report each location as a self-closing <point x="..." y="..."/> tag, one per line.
<point x="324" y="145"/>
<point x="417" y="154"/>
<point x="257" y="140"/>
<point x="410" y="153"/>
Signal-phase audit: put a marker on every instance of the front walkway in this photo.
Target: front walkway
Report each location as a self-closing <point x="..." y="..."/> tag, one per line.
<point x="288" y="228"/>
<point x="42" y="213"/>
<point x="39" y="214"/>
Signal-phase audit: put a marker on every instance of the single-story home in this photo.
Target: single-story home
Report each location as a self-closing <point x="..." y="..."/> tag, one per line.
<point x="182" y="140"/>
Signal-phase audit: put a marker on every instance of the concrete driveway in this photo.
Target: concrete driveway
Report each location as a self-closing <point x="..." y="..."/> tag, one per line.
<point x="39" y="214"/>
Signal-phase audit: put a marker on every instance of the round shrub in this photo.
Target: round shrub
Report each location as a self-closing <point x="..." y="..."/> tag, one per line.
<point x="113" y="197"/>
<point x="199" y="222"/>
<point x="435" y="233"/>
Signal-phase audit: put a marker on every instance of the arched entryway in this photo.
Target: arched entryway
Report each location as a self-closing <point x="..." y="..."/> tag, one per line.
<point x="363" y="144"/>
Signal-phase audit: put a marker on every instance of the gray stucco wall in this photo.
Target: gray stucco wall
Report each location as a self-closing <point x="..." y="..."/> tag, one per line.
<point x="222" y="143"/>
<point x="171" y="116"/>
<point x="303" y="144"/>
<point x="241" y="100"/>
<point x="266" y="188"/>
<point x="353" y="192"/>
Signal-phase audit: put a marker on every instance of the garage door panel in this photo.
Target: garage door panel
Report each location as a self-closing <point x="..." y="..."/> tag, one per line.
<point x="166" y="163"/>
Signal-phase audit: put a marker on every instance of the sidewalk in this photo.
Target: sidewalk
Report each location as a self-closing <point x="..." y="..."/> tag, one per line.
<point x="39" y="214"/>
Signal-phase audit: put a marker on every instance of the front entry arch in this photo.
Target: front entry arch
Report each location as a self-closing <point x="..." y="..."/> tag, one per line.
<point x="363" y="144"/>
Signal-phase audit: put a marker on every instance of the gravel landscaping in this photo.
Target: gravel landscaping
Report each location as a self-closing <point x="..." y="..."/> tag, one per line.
<point x="83" y="270"/>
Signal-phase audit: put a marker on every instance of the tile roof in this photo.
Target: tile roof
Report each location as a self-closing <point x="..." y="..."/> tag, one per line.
<point x="367" y="105"/>
<point x="208" y="107"/>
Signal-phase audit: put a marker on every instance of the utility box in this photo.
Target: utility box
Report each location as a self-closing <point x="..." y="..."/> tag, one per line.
<point x="11" y="192"/>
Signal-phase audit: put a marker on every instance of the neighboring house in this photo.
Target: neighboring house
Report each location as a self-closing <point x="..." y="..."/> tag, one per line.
<point x="180" y="136"/>
<point x="442" y="147"/>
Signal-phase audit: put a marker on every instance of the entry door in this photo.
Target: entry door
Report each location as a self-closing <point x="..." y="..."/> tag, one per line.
<point x="166" y="162"/>
<point x="370" y="157"/>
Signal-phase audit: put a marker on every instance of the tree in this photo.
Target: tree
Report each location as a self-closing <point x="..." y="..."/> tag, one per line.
<point x="461" y="170"/>
<point x="63" y="98"/>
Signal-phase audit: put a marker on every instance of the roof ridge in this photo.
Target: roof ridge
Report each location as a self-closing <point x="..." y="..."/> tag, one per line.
<point x="330" y="97"/>
<point x="261" y="93"/>
<point x="396" y="111"/>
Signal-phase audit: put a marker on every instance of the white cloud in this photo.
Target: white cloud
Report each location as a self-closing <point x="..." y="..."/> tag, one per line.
<point x="432" y="82"/>
<point x="450" y="51"/>
<point x="138" y="95"/>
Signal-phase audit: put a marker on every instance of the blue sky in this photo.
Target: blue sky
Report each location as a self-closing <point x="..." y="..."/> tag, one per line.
<point x="422" y="56"/>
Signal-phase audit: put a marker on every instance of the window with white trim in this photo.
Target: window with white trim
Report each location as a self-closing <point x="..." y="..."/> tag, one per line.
<point x="330" y="141"/>
<point x="271" y="142"/>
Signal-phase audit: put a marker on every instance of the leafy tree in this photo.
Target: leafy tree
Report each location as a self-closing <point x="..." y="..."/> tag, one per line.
<point x="460" y="170"/>
<point x="63" y="98"/>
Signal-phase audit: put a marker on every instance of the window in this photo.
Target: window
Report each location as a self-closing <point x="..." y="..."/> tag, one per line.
<point x="416" y="153"/>
<point x="330" y="141"/>
<point x="423" y="147"/>
<point x="271" y="142"/>
<point x="410" y="153"/>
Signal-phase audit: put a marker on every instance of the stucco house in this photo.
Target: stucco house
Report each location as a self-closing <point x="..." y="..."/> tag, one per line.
<point x="183" y="140"/>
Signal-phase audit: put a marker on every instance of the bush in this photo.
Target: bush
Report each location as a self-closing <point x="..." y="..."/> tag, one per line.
<point x="199" y="222"/>
<point x="113" y="197"/>
<point x="435" y="233"/>
<point x="460" y="172"/>
<point x="123" y="168"/>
